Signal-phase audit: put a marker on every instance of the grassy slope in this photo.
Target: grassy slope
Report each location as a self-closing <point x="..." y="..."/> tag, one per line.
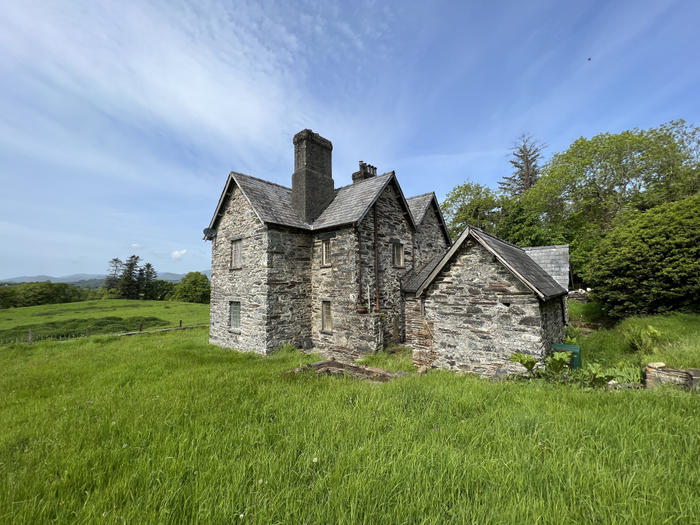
<point x="43" y="318"/>
<point x="167" y="429"/>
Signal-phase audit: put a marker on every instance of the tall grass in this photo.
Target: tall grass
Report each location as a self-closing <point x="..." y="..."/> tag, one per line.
<point x="168" y="429"/>
<point x="673" y="339"/>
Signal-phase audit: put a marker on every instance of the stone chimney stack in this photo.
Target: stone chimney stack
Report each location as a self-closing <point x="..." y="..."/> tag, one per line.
<point x="366" y="172"/>
<point x="312" y="182"/>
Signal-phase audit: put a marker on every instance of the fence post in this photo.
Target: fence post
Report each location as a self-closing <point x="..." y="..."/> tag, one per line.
<point x="180" y="323"/>
<point x="141" y="327"/>
<point x="88" y="332"/>
<point x="31" y="337"/>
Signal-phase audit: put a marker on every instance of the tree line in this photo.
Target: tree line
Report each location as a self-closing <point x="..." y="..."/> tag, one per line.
<point x="124" y="280"/>
<point x="627" y="205"/>
<point x="131" y="280"/>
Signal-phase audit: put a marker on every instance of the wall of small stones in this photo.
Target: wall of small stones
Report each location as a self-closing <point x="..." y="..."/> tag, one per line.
<point x="477" y="315"/>
<point x="429" y="238"/>
<point x="247" y="284"/>
<point x="289" y="286"/>
<point x="392" y="227"/>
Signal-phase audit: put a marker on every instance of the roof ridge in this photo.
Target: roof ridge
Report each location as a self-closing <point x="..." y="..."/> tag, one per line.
<point x="362" y="181"/>
<point x="496" y="238"/>
<point x="421" y="195"/>
<point x="263" y="180"/>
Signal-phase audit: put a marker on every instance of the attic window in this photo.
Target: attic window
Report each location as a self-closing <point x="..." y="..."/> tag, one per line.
<point x="236" y="253"/>
<point x="397" y="254"/>
<point x="326" y="252"/>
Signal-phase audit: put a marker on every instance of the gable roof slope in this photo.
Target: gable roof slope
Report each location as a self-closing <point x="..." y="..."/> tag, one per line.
<point x="512" y="257"/>
<point x="272" y="203"/>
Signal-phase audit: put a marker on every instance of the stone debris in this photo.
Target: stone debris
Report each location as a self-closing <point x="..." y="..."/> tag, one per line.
<point x="331" y="366"/>
<point x="658" y="373"/>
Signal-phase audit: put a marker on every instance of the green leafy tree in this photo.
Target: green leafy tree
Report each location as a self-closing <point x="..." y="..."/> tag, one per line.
<point x="193" y="288"/>
<point x="527" y="153"/>
<point x="599" y="183"/>
<point x="650" y="264"/>
<point x="471" y="204"/>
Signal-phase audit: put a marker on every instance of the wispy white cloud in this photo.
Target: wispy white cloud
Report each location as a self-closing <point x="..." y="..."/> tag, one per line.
<point x="178" y="254"/>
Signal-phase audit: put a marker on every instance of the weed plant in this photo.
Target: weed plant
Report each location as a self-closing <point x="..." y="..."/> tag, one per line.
<point x="165" y="428"/>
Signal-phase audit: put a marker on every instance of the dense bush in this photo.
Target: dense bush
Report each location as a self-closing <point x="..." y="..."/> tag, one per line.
<point x="650" y="264"/>
<point x="193" y="288"/>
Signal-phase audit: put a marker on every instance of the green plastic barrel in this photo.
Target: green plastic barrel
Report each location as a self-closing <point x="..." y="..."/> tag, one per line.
<point x="573" y="350"/>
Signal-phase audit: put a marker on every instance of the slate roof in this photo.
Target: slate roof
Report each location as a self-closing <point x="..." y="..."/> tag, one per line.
<point x="419" y="206"/>
<point x="416" y="280"/>
<point x="554" y="260"/>
<point x="272" y="203"/>
<point x="512" y="257"/>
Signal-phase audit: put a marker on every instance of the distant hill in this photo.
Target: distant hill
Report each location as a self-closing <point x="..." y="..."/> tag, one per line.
<point x="89" y="280"/>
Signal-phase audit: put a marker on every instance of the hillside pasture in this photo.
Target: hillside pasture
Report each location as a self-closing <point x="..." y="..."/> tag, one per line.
<point x="165" y="428"/>
<point x="104" y="317"/>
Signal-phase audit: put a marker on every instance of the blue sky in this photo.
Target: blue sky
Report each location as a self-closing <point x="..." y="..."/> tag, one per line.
<point x="120" y="121"/>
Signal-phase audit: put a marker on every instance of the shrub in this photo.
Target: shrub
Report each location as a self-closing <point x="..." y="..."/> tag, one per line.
<point x="650" y="264"/>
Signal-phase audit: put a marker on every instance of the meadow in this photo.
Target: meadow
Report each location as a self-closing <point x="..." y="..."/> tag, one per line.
<point x="165" y="428"/>
<point x="106" y="316"/>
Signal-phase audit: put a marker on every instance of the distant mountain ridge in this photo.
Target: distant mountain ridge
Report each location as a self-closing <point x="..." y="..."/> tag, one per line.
<point x="89" y="279"/>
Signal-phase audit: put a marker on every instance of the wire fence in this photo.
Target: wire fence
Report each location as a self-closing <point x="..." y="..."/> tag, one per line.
<point x="32" y="337"/>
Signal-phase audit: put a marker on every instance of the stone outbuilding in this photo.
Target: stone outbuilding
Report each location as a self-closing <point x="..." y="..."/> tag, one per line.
<point x="482" y="301"/>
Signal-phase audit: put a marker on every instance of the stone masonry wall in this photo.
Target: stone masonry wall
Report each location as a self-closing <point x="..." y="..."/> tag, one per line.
<point x="289" y="280"/>
<point x="392" y="227"/>
<point x="352" y="334"/>
<point x="246" y="284"/>
<point x="554" y="315"/>
<point x="429" y="238"/>
<point x="477" y="315"/>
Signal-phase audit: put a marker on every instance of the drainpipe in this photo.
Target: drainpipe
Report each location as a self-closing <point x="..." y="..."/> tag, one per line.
<point x="359" y="265"/>
<point x="376" y="258"/>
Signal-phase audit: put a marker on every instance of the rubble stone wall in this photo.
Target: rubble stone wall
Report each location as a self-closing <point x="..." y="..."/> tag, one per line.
<point x="289" y="255"/>
<point x="247" y="284"/>
<point x="477" y="314"/>
<point x="429" y="238"/>
<point x="392" y="227"/>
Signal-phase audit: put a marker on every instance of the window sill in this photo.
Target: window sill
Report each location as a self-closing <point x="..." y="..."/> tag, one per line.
<point x="326" y="332"/>
<point x="326" y="266"/>
<point x="232" y="268"/>
<point x="397" y="266"/>
<point x="234" y="331"/>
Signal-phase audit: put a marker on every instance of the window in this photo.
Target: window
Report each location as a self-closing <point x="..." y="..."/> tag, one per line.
<point x="397" y="254"/>
<point x="326" y="253"/>
<point x="422" y="305"/>
<point x="235" y="321"/>
<point x="326" y="322"/>
<point x="236" y="253"/>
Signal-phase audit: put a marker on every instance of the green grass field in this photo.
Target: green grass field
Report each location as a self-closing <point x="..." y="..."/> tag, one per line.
<point x="103" y="317"/>
<point x="165" y="428"/>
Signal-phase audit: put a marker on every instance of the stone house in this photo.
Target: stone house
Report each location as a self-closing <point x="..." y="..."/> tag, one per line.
<point x="294" y="264"/>
<point x="297" y="265"/>
<point x="483" y="300"/>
